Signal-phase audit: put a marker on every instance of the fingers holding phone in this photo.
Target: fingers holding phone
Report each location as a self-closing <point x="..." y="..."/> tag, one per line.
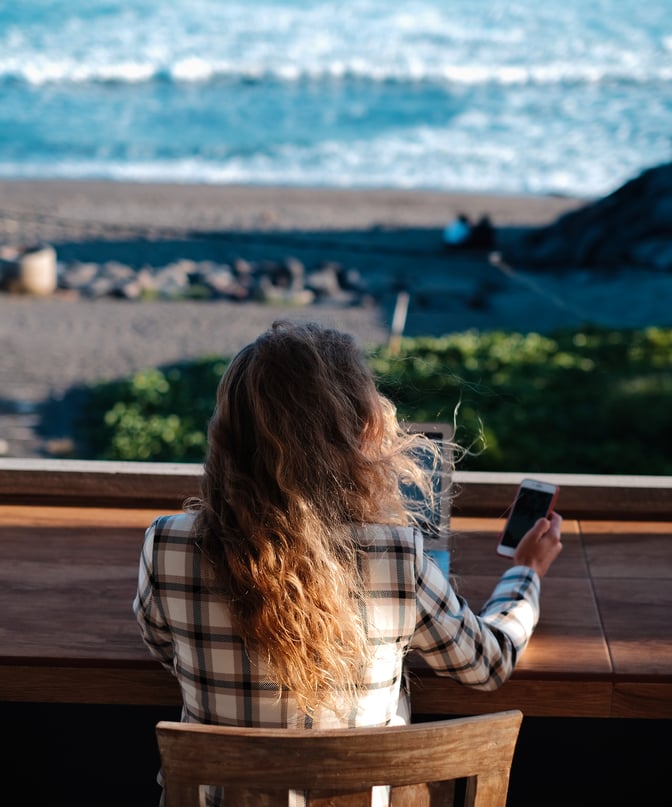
<point x="540" y="545"/>
<point x="531" y="535"/>
<point x="534" y="500"/>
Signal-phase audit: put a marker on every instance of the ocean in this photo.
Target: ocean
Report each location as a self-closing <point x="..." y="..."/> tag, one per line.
<point x="570" y="97"/>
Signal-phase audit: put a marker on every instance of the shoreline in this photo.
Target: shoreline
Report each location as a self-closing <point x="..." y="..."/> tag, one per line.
<point x="112" y="204"/>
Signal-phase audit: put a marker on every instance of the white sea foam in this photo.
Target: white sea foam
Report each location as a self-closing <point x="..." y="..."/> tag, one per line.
<point x="467" y="42"/>
<point x="567" y="96"/>
<point x="40" y="71"/>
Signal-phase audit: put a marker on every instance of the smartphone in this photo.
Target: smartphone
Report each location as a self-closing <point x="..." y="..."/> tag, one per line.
<point x="533" y="500"/>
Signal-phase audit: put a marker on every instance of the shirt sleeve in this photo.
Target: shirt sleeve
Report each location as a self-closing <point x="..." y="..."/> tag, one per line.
<point x="153" y="627"/>
<point x="477" y="650"/>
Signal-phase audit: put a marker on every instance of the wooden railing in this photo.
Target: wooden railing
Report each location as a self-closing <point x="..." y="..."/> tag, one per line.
<point x="92" y="483"/>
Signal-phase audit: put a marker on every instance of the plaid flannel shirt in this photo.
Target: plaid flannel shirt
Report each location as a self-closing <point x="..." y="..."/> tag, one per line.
<point x="410" y="606"/>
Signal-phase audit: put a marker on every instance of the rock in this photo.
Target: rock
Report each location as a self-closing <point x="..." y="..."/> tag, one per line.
<point x="242" y="268"/>
<point x="655" y="252"/>
<point x="78" y="275"/>
<point x="630" y="227"/>
<point x="268" y="292"/>
<point x="324" y="282"/>
<point x="296" y="271"/>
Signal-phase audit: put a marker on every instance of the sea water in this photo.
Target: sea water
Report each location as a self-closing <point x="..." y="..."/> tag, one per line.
<point x="562" y="96"/>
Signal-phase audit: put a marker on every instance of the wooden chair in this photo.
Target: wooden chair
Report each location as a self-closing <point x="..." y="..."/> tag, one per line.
<point x="421" y="762"/>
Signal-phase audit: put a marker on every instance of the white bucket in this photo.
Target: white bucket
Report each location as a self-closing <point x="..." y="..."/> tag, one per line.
<point x="34" y="271"/>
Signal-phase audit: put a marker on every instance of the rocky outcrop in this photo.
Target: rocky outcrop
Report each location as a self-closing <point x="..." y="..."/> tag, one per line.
<point x="628" y="228"/>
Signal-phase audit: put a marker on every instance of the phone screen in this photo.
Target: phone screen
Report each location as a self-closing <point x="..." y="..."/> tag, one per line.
<point x="529" y="506"/>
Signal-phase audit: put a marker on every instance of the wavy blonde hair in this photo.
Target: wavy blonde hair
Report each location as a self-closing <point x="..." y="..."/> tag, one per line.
<point x="301" y="446"/>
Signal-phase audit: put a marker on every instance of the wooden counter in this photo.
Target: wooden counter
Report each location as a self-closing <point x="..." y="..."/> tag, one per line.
<point x="603" y="647"/>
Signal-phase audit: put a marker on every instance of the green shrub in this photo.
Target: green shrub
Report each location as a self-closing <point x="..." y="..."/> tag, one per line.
<point x="158" y="415"/>
<point x="589" y="401"/>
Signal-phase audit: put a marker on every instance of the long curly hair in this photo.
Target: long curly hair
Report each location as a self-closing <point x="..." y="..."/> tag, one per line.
<point x="301" y="447"/>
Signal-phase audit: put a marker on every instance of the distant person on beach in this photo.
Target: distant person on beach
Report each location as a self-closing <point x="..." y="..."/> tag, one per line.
<point x="457" y="232"/>
<point x="290" y="592"/>
<point x="462" y="234"/>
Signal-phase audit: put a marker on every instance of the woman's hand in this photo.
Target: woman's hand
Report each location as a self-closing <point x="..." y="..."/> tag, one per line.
<point x="540" y="545"/>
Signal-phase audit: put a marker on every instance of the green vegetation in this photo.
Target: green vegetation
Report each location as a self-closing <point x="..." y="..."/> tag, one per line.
<point x="589" y="401"/>
<point x="158" y="415"/>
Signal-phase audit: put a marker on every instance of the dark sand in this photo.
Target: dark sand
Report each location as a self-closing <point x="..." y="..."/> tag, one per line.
<point x="47" y="345"/>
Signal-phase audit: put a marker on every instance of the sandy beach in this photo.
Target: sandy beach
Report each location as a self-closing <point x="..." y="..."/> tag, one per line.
<point x="392" y="238"/>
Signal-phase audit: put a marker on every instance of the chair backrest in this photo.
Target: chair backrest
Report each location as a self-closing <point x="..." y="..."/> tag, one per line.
<point x="337" y="767"/>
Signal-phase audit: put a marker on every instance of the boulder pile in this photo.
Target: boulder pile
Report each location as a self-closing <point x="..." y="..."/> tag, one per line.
<point x="286" y="281"/>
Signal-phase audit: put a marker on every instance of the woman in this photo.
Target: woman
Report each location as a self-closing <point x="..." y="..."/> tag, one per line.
<point x="291" y="591"/>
